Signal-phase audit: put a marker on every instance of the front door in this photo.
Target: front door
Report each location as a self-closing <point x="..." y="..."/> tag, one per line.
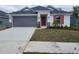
<point x="43" y="20"/>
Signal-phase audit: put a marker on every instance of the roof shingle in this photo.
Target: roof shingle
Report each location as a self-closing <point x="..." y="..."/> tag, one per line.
<point x="32" y="10"/>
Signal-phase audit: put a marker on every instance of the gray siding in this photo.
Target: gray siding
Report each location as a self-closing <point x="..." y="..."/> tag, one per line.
<point x="72" y="21"/>
<point x="25" y="21"/>
<point x="5" y="22"/>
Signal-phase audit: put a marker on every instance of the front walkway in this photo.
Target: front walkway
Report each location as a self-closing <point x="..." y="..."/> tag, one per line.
<point x="14" y="39"/>
<point x="52" y="47"/>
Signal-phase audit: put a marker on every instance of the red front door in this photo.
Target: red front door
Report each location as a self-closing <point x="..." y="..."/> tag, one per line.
<point x="43" y="20"/>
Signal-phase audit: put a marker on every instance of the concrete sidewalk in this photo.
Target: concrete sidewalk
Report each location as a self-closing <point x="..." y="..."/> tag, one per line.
<point x="52" y="47"/>
<point x="14" y="39"/>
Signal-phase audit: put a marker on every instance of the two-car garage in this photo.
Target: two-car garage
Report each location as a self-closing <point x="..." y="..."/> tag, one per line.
<point x="24" y="21"/>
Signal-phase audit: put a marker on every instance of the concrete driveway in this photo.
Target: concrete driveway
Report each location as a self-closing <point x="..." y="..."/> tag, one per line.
<point x="14" y="39"/>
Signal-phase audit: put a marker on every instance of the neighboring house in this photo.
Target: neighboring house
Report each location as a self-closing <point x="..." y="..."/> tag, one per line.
<point x="39" y="16"/>
<point x="4" y="19"/>
<point x="73" y="20"/>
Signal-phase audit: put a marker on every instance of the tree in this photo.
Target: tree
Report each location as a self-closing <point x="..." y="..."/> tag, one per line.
<point x="76" y="14"/>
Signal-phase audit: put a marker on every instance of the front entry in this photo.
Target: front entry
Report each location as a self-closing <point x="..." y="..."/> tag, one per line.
<point x="43" y="20"/>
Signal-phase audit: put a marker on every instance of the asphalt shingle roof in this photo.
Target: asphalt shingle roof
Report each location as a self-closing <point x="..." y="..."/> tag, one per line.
<point x="39" y="8"/>
<point x="33" y="10"/>
<point x="25" y="12"/>
<point x="51" y="8"/>
<point x="24" y="8"/>
<point x="3" y="14"/>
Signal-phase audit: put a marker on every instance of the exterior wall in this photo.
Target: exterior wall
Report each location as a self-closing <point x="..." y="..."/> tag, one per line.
<point x="66" y="20"/>
<point x="25" y="21"/>
<point x="23" y="14"/>
<point x="11" y="20"/>
<point x="52" y="20"/>
<point x="5" y="22"/>
<point x="38" y="17"/>
<point x="12" y="15"/>
<point x="48" y="17"/>
<point x="73" y="21"/>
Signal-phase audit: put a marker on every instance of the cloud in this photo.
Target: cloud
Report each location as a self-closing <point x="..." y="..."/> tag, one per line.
<point x="11" y="8"/>
<point x="65" y="7"/>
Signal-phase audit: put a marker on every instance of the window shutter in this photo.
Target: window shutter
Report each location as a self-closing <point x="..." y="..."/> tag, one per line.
<point x="54" y="18"/>
<point x="62" y="19"/>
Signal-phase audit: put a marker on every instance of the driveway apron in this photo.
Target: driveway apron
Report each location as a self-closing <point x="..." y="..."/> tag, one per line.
<point x="12" y="40"/>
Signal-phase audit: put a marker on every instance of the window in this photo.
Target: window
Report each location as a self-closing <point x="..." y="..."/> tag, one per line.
<point x="59" y="19"/>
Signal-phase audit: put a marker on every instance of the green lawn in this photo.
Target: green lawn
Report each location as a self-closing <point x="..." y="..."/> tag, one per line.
<point x="55" y="35"/>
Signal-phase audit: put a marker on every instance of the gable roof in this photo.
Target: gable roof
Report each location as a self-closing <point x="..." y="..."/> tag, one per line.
<point x="24" y="12"/>
<point x="30" y="10"/>
<point x="51" y="8"/>
<point x="3" y="14"/>
<point x="24" y="8"/>
<point x="59" y="11"/>
<point x="39" y="8"/>
<point x="56" y="10"/>
<point x="34" y="10"/>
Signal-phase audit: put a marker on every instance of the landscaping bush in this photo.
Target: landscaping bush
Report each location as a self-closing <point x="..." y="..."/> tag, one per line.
<point x="75" y="28"/>
<point x="66" y="27"/>
<point x="55" y="24"/>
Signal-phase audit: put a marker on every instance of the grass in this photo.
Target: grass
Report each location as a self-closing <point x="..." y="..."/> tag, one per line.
<point x="56" y="35"/>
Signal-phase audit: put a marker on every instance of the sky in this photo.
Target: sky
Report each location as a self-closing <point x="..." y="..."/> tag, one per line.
<point x="15" y="5"/>
<point x="12" y="8"/>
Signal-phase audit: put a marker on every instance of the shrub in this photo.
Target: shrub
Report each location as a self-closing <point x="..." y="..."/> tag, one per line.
<point x="55" y="24"/>
<point x="66" y="27"/>
<point x="74" y="28"/>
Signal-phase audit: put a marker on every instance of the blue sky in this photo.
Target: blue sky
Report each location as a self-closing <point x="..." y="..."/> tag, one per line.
<point x="10" y="8"/>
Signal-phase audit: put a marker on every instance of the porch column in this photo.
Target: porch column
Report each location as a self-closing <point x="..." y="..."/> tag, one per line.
<point x="38" y="20"/>
<point x="49" y="21"/>
<point x="11" y="20"/>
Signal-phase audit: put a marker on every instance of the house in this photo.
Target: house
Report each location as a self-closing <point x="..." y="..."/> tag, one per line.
<point x="39" y="16"/>
<point x="4" y="19"/>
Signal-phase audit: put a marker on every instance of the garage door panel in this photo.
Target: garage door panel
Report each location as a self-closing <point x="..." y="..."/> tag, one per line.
<point x="24" y="21"/>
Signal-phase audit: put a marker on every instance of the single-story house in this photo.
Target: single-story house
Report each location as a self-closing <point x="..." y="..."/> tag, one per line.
<point x="39" y="16"/>
<point x="4" y="19"/>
